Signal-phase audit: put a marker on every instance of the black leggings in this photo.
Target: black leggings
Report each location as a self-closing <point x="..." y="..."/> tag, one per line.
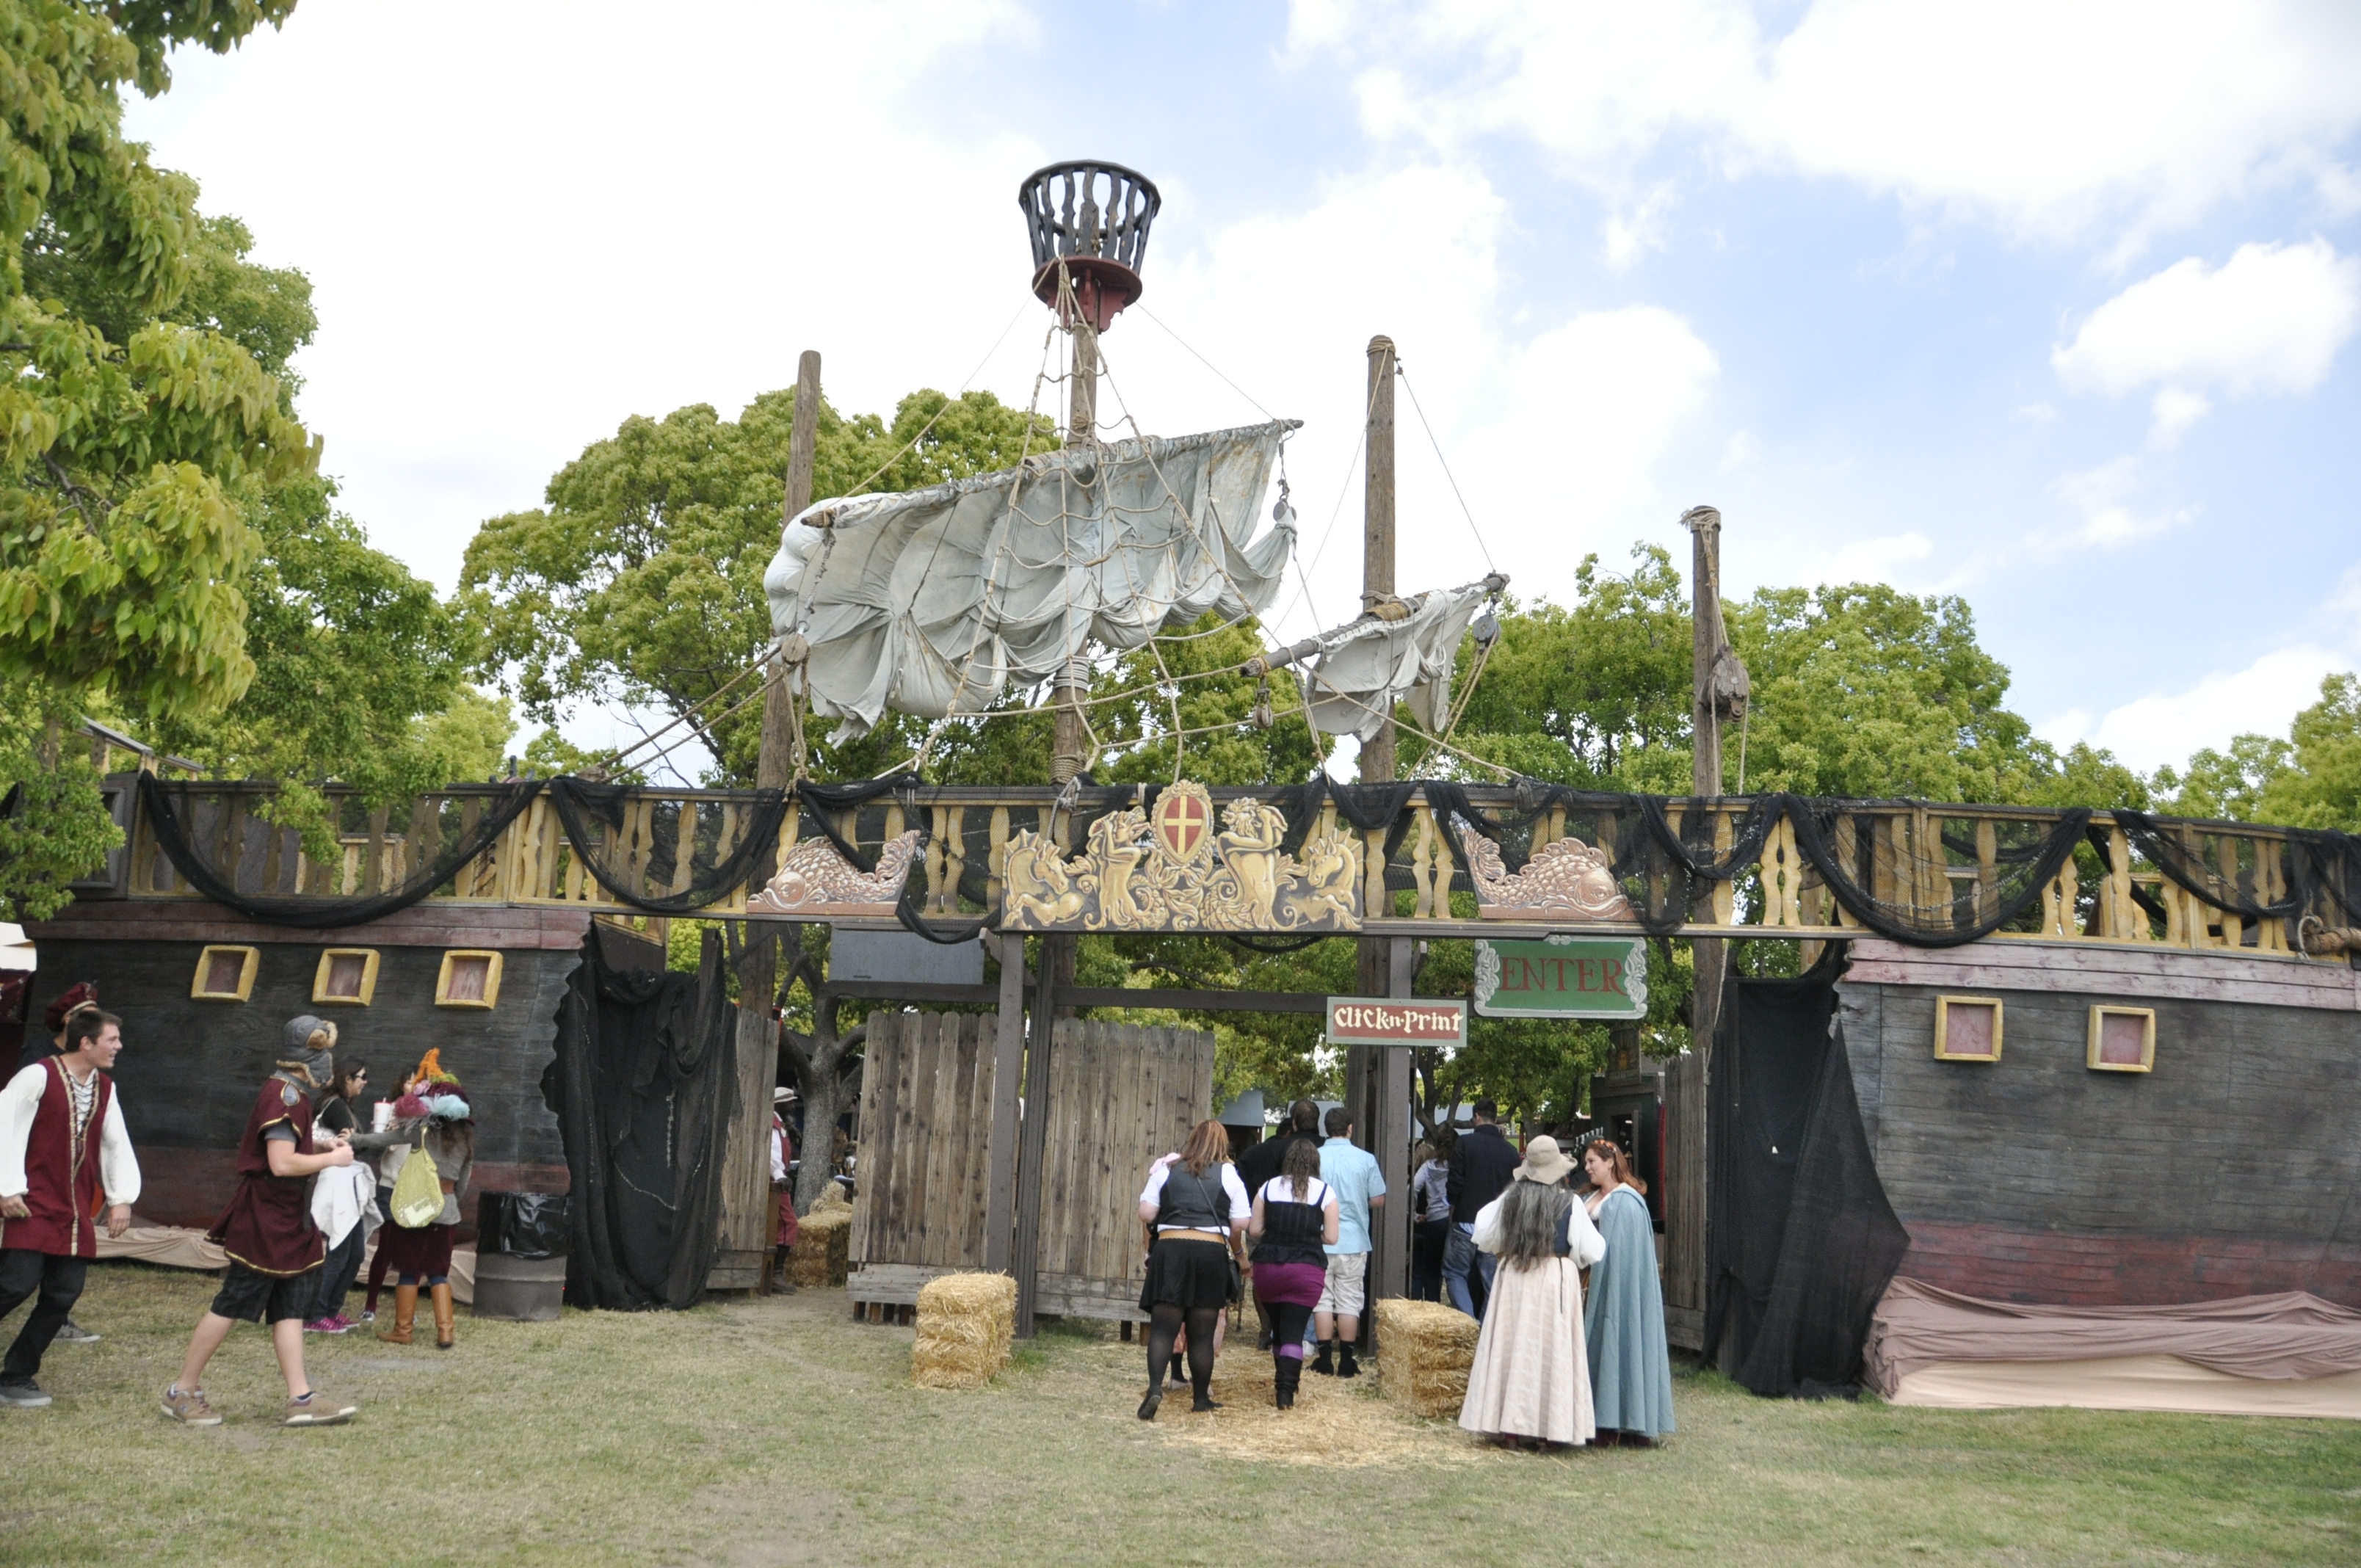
<point x="1288" y="1321"/>
<point x="1164" y="1324"/>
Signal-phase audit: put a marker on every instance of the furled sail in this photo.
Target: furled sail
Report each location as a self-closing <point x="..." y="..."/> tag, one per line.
<point x="1401" y="649"/>
<point x="936" y="602"/>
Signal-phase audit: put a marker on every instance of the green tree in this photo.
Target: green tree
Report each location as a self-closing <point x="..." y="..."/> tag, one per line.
<point x="2312" y="779"/>
<point x="639" y="581"/>
<point x="130" y="441"/>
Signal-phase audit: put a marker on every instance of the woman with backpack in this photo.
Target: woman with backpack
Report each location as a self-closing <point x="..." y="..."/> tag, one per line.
<point x="1196" y="1209"/>
<point x="436" y="1134"/>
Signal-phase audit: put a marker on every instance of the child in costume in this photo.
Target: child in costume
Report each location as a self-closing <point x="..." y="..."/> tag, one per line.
<point x="275" y="1250"/>
<point x="63" y="1144"/>
<point x="433" y="1122"/>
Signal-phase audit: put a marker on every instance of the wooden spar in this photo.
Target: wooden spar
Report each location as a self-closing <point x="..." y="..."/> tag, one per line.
<point x="748" y="1211"/>
<point x="1689" y="1203"/>
<point x="1393" y="610"/>
<point x="1377" y="530"/>
<point x="1070" y="745"/>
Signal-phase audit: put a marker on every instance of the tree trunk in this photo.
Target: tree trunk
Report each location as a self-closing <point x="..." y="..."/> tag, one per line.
<point x="817" y="1059"/>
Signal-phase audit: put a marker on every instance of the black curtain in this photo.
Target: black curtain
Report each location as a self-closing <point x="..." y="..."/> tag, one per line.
<point x="642" y="1089"/>
<point x="1801" y="1242"/>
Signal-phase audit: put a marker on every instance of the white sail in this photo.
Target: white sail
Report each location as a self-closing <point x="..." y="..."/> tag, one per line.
<point x="1363" y="669"/>
<point x="936" y="602"/>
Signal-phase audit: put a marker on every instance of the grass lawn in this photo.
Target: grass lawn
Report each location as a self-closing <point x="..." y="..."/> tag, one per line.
<point x="779" y="1431"/>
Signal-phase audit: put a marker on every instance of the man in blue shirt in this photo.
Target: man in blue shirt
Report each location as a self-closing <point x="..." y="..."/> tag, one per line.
<point x="1361" y="1187"/>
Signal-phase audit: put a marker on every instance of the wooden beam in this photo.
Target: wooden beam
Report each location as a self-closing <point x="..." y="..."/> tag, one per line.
<point x="1378" y="528"/>
<point x="1390" y="1141"/>
<point x="1033" y="1136"/>
<point x="1008" y="1062"/>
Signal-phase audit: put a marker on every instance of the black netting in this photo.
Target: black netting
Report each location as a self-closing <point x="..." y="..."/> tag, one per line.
<point x="1911" y="878"/>
<point x="2334" y="862"/>
<point x="2211" y="865"/>
<point x="643" y="1086"/>
<point x="666" y="853"/>
<point x="1801" y="1242"/>
<point x="253" y="867"/>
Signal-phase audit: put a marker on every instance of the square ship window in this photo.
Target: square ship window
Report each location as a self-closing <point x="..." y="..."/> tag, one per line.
<point x="226" y="974"/>
<point x="469" y="978"/>
<point x="346" y="977"/>
<point x="1967" y="1028"/>
<point x="2123" y="1039"/>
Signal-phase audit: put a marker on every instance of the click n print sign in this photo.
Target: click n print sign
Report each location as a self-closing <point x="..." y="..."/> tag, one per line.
<point x="1423" y="1021"/>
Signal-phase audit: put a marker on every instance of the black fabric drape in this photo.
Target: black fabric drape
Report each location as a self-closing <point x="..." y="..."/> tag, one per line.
<point x="1802" y="1241"/>
<point x="2193" y="873"/>
<point x="833" y="798"/>
<point x="594" y="815"/>
<point x="164" y="805"/>
<point x="2024" y="868"/>
<point x="643" y="1093"/>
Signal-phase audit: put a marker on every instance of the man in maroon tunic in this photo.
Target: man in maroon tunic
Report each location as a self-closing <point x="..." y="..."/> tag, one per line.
<point x="62" y="1148"/>
<point x="274" y="1248"/>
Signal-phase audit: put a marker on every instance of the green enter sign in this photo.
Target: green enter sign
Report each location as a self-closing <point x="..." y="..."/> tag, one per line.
<point x="1563" y="976"/>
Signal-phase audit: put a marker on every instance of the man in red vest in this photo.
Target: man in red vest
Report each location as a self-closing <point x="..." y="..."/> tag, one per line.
<point x="274" y="1250"/>
<point x="62" y="1148"/>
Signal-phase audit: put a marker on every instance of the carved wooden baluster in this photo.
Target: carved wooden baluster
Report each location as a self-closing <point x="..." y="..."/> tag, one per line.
<point x="684" y="847"/>
<point x="2233" y="927"/>
<point x="1422" y="859"/>
<point x="1847" y="861"/>
<point x="1659" y="887"/>
<point x="1987" y="868"/>
<point x="998" y="861"/>
<point x="2270" y="886"/>
<point x="1373" y="882"/>
<point x="954" y="859"/>
<point x="1725" y="891"/>
<point x="2069" y="898"/>
<point x="938" y="825"/>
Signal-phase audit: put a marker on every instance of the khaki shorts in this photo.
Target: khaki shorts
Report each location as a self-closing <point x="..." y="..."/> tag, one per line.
<point x="1342" y="1295"/>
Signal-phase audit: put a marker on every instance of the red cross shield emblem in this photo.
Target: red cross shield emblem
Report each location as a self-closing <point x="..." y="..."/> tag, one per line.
<point x="1184" y="821"/>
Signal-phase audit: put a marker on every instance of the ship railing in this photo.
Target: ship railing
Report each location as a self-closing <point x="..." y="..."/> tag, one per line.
<point x="1945" y="862"/>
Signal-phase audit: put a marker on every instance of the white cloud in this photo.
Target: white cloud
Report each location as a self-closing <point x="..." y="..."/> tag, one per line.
<point x="2049" y="119"/>
<point x="2167" y="726"/>
<point x="1628" y="235"/>
<point x="2269" y="320"/>
<point x="1878" y="560"/>
<point x="2176" y="408"/>
<point x="2104" y="498"/>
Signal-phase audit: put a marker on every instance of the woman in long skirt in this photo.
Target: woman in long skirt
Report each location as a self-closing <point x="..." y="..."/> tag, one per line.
<point x="1630" y="1365"/>
<point x="1529" y="1383"/>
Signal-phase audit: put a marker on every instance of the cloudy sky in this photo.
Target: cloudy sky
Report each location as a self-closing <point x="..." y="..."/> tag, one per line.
<point x="2048" y="305"/>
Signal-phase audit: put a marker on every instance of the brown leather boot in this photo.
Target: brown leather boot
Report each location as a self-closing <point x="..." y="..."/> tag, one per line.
<point x="447" y="1318"/>
<point x="405" y="1313"/>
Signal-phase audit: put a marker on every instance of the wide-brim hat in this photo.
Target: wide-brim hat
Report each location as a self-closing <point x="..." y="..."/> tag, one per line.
<point x="1544" y="1162"/>
<point x="781" y="1096"/>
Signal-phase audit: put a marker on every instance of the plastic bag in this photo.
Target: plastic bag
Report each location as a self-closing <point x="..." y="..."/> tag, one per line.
<point x="521" y="1225"/>
<point x="418" y="1190"/>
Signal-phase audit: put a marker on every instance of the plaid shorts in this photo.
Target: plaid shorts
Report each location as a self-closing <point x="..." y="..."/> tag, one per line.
<point x="254" y="1297"/>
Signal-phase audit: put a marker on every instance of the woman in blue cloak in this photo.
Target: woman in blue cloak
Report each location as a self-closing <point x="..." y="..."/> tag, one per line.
<point x="1624" y="1322"/>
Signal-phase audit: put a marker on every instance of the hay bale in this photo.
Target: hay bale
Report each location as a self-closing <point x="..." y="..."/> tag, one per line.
<point x="832" y="1197"/>
<point x="1424" y="1350"/>
<point x="820" y="1256"/>
<point x="965" y="1323"/>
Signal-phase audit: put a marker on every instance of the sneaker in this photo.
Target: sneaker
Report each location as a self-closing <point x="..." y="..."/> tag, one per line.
<point x="189" y="1409"/>
<point x="344" y="1325"/>
<point x="317" y="1409"/>
<point x="71" y="1333"/>
<point x="369" y="1314"/>
<point x="25" y="1395"/>
<point x="325" y="1326"/>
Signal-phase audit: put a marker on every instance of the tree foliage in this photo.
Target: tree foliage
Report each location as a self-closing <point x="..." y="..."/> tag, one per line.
<point x="640" y="580"/>
<point x="131" y="438"/>
<point x="2312" y="779"/>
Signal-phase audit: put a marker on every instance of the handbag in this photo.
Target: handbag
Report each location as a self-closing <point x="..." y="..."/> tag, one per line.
<point x="418" y="1189"/>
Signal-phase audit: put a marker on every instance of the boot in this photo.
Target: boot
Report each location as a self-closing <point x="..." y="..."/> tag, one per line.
<point x="1345" y="1365"/>
<point x="405" y="1313"/>
<point x="447" y="1318"/>
<point x="1178" y="1375"/>
<point x="1286" y="1375"/>
<point x="1326" y="1362"/>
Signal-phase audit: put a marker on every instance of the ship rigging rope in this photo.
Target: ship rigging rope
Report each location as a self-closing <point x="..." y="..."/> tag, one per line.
<point x="1403" y="370"/>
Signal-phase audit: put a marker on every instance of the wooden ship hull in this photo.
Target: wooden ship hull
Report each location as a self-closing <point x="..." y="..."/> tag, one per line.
<point x="2230" y="1168"/>
<point x="189" y="1066"/>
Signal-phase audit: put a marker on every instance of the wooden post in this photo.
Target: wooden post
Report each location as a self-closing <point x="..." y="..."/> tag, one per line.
<point x="1711" y="954"/>
<point x="1033" y="1138"/>
<point x="1368" y="1071"/>
<point x="1387" y="1137"/>
<point x="1070" y="743"/>
<point x="748" y="1211"/>
<point x="1008" y="1064"/>
<point x="1377" y="530"/>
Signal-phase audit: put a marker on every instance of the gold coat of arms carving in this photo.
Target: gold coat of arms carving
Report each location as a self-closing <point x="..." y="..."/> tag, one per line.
<point x="1180" y="866"/>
